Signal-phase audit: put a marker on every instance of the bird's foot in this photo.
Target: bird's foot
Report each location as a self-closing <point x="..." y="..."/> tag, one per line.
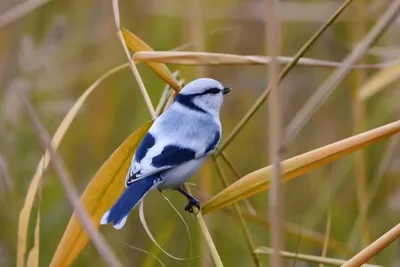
<point x="193" y="203"/>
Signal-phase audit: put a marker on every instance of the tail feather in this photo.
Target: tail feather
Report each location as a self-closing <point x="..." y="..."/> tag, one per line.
<point x="118" y="214"/>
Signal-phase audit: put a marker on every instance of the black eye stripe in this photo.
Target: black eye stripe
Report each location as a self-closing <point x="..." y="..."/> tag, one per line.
<point x="214" y="91"/>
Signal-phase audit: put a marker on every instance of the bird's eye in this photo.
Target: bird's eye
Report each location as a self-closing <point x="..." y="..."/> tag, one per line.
<point x="214" y="90"/>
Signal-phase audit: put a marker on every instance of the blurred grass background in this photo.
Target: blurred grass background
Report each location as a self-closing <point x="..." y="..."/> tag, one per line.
<point x="56" y="51"/>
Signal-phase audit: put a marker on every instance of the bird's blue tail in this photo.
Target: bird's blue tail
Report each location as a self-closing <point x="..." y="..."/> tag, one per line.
<point x="118" y="213"/>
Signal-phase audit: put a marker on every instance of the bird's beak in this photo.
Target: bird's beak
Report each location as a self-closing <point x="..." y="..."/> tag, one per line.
<point x="226" y="90"/>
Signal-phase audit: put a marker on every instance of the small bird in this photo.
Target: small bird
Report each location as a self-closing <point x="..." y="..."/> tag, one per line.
<point x="174" y="148"/>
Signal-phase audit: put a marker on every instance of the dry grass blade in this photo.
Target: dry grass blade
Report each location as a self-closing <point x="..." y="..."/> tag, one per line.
<point x="25" y="213"/>
<point x="322" y="93"/>
<point x="101" y="192"/>
<point x="260" y="180"/>
<point x="379" y="81"/>
<point x="207" y="58"/>
<point x="33" y="256"/>
<point x="102" y="247"/>
<point x="283" y="74"/>
<point x="366" y="254"/>
<point x="307" y="258"/>
<point x="136" y="44"/>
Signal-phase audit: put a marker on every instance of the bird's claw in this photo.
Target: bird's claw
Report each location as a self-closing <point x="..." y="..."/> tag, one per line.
<point x="193" y="202"/>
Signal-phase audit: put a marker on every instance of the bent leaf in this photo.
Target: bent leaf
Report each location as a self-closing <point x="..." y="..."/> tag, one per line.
<point x="136" y="44"/>
<point x="379" y="81"/>
<point x="260" y="180"/>
<point x="99" y="195"/>
<point x="25" y="213"/>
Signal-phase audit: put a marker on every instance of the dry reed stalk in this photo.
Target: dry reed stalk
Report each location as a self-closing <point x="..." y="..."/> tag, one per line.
<point x="366" y="254"/>
<point x="272" y="42"/>
<point x="102" y="247"/>
<point x="307" y="258"/>
<point x="358" y="30"/>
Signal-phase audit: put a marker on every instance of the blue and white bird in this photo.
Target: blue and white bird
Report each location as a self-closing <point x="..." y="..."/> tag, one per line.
<point x="174" y="148"/>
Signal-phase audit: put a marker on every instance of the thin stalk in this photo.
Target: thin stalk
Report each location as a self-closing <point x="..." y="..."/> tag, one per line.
<point x="323" y="92"/>
<point x="327" y="235"/>
<point x="102" y="247"/>
<point x="283" y="74"/>
<point x="272" y="42"/>
<point x="358" y="30"/>
<point x="306" y="257"/>
<point x="131" y="63"/>
<point x="195" y="18"/>
<point x="206" y="234"/>
<point x="243" y="223"/>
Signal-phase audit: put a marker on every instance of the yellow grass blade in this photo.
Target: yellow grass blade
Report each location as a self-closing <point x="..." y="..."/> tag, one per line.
<point x="33" y="257"/>
<point x="379" y="81"/>
<point x="137" y="44"/>
<point x="100" y="194"/>
<point x="25" y="213"/>
<point x="206" y="58"/>
<point x="260" y="180"/>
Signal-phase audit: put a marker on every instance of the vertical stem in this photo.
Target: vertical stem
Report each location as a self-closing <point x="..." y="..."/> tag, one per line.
<point x="274" y="129"/>
<point x="197" y="36"/>
<point x="358" y="32"/>
<point x="197" y="30"/>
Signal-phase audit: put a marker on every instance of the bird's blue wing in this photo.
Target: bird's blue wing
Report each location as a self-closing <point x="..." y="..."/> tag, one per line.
<point x="171" y="155"/>
<point x="148" y="142"/>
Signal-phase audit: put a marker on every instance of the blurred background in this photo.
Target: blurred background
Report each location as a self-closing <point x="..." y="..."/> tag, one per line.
<point x="55" y="51"/>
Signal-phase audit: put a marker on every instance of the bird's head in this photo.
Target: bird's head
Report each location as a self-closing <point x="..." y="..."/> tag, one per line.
<point x="204" y="94"/>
